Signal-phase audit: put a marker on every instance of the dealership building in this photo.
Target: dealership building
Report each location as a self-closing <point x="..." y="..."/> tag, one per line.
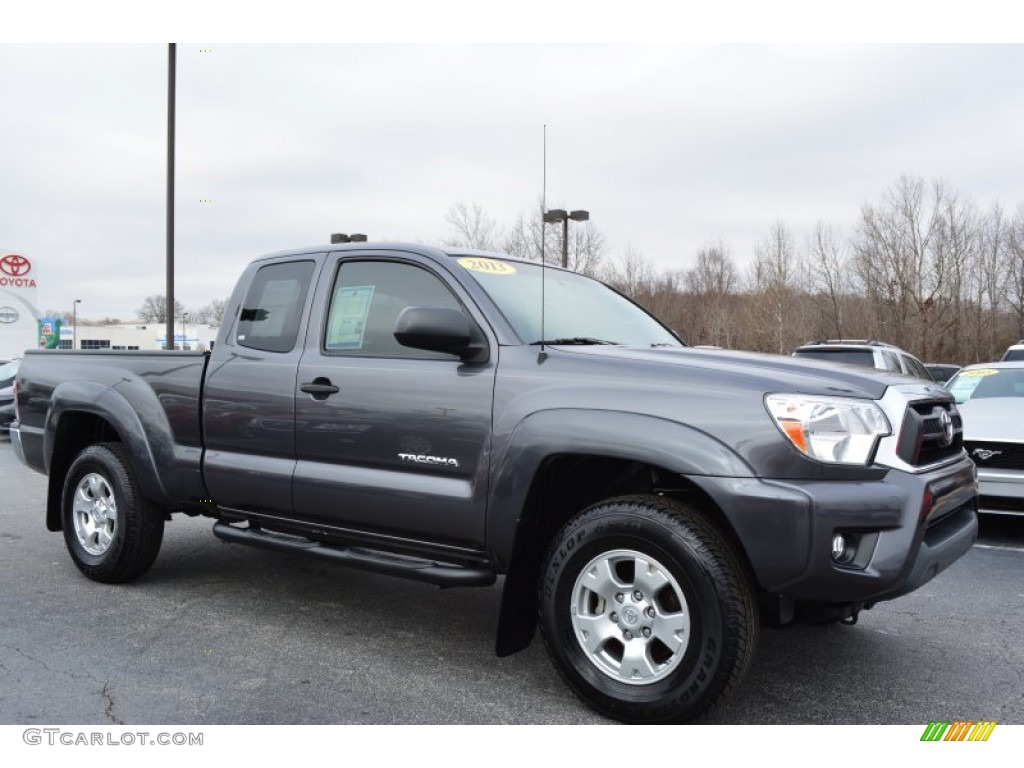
<point x="19" y="313"/>
<point x="23" y="327"/>
<point x="136" y="335"/>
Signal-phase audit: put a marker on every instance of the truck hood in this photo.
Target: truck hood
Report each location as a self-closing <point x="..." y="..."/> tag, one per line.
<point x="770" y="373"/>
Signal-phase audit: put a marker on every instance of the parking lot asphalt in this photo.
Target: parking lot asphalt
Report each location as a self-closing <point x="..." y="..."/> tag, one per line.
<point x="223" y="634"/>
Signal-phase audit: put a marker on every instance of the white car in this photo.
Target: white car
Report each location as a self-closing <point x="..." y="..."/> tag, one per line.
<point x="1014" y="351"/>
<point x="990" y="397"/>
<point x="870" y="354"/>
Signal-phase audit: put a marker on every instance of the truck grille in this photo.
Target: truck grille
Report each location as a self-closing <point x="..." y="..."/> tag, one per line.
<point x="932" y="431"/>
<point x="989" y="455"/>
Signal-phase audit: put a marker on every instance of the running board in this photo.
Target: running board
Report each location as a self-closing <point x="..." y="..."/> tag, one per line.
<point x="414" y="568"/>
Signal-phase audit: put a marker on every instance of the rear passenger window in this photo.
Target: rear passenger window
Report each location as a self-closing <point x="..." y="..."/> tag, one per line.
<point x="272" y="310"/>
<point x="892" y="363"/>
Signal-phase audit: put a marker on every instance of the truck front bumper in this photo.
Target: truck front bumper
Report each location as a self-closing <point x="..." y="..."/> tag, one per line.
<point x="899" y="531"/>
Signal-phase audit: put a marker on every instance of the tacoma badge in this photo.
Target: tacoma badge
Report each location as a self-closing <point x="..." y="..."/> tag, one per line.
<point x="419" y="458"/>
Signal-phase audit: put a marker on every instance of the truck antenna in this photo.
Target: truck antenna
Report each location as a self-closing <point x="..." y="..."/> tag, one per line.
<point x="543" y="238"/>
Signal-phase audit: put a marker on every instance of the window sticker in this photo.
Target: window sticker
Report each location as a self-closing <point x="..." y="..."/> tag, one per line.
<point x="348" y="317"/>
<point x="980" y="372"/>
<point x="964" y="386"/>
<point x="490" y="266"/>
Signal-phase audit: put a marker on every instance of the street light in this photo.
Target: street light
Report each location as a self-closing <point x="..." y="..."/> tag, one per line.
<point x="184" y="317"/>
<point x="558" y="214"/>
<point x="74" y="324"/>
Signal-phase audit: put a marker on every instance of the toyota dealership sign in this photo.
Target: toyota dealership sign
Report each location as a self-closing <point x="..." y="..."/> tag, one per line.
<point x="15" y="271"/>
<point x="18" y="307"/>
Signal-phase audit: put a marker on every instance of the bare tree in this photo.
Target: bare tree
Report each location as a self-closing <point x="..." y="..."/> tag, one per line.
<point x="212" y="313"/>
<point x="528" y="238"/>
<point x="632" y="274"/>
<point x="473" y="228"/>
<point x="1014" y="268"/>
<point x="154" y="309"/>
<point x="922" y="269"/>
<point x="711" y="285"/>
<point x="586" y="249"/>
<point x="827" y="276"/>
<point x="774" y="282"/>
<point x="911" y="253"/>
<point x="985" y="280"/>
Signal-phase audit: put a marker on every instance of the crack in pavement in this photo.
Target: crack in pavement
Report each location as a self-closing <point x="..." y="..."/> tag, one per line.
<point x="109" y="709"/>
<point x="45" y="666"/>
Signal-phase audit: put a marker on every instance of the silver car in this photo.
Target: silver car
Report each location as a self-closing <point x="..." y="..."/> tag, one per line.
<point x="991" y="402"/>
<point x="7" y="373"/>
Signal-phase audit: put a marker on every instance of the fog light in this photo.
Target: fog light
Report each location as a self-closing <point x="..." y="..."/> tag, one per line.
<point x="844" y="548"/>
<point x="838" y="547"/>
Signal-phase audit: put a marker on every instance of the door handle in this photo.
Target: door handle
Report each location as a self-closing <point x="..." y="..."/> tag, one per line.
<point x="320" y="388"/>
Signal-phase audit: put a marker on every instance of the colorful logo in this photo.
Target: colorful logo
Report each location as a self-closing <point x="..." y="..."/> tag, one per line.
<point x="15" y="265"/>
<point x="958" y="730"/>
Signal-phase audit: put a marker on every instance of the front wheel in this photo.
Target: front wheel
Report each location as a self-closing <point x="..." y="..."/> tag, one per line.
<point x="112" y="531"/>
<point x="646" y="610"/>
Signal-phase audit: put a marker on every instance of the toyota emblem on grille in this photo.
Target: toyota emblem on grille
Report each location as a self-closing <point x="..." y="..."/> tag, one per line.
<point x="947" y="429"/>
<point x="984" y="453"/>
<point x="8" y="315"/>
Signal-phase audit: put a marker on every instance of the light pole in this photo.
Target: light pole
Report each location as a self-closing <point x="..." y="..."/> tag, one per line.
<point x="558" y="214"/>
<point x="172" y="69"/>
<point x="74" y="324"/>
<point x="184" y="317"/>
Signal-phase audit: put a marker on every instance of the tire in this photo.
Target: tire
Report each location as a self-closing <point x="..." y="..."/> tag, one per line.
<point x="658" y="645"/>
<point x="112" y="531"/>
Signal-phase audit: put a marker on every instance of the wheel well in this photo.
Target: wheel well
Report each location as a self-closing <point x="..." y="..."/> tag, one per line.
<point x="75" y="432"/>
<point x="564" y="486"/>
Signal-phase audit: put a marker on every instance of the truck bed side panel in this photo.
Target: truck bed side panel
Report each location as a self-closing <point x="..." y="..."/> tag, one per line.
<point x="151" y="401"/>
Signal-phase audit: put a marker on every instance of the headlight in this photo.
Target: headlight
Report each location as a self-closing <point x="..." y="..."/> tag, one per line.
<point x="836" y="430"/>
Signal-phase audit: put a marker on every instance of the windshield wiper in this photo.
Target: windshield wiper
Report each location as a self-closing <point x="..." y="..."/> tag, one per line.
<point x="578" y="340"/>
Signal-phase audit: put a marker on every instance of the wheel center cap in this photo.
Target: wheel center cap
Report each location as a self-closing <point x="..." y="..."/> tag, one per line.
<point x="630" y="616"/>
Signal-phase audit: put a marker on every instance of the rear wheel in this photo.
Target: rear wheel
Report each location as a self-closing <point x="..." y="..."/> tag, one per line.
<point x="646" y="610"/>
<point x="112" y="531"/>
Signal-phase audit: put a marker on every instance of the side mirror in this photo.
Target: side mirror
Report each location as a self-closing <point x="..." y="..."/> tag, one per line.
<point x="438" y="329"/>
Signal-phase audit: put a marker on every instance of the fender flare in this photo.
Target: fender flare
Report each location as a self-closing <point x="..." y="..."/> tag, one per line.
<point x="149" y="442"/>
<point x="675" y="447"/>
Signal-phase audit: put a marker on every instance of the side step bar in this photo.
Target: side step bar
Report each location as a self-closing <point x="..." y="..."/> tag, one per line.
<point x="415" y="568"/>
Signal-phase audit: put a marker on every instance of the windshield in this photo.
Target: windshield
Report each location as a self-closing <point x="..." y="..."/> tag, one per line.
<point x="578" y="310"/>
<point x="854" y="356"/>
<point x="987" y="382"/>
<point x="942" y="373"/>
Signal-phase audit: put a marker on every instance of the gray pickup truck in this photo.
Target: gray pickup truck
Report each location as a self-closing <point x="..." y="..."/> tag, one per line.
<point x="452" y="417"/>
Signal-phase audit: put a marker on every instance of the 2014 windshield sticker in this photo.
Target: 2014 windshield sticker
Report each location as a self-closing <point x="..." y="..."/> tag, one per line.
<point x="980" y="372"/>
<point x="490" y="266"/>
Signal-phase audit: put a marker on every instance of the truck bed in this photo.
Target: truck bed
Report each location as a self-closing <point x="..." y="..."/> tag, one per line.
<point x="155" y="395"/>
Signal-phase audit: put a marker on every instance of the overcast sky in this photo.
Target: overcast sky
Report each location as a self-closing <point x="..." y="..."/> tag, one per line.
<point x="668" y="146"/>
